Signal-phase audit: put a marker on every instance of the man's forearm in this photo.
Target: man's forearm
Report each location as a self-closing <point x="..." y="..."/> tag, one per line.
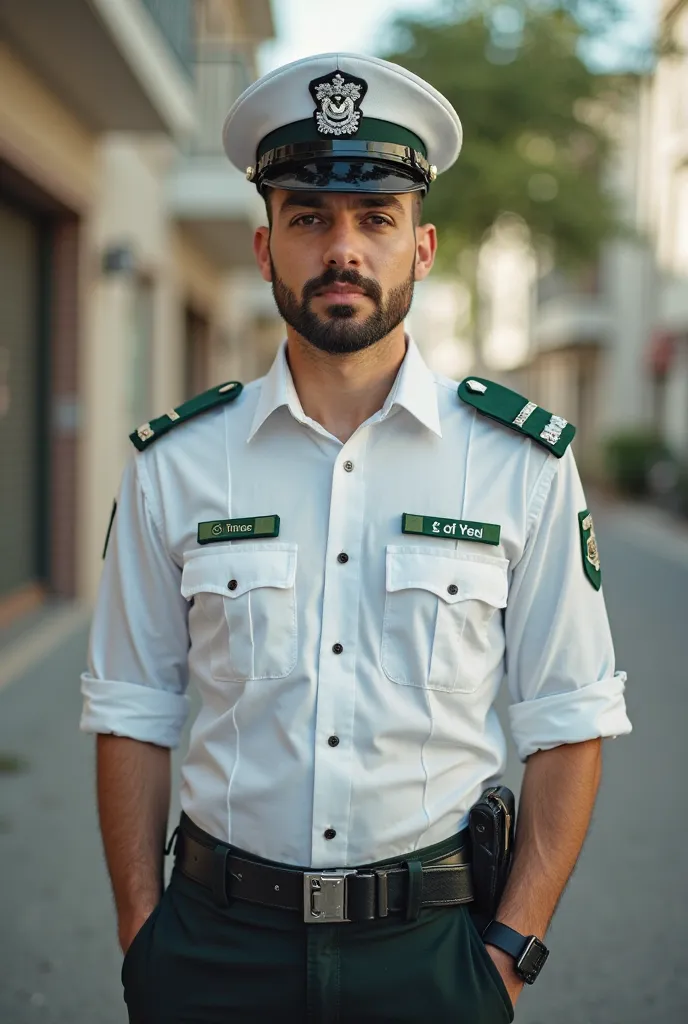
<point x="133" y="805"/>
<point x="557" y="800"/>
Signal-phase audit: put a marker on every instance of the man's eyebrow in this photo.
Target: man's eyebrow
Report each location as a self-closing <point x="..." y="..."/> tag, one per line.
<point x="309" y="200"/>
<point x="382" y="201"/>
<point x="317" y="201"/>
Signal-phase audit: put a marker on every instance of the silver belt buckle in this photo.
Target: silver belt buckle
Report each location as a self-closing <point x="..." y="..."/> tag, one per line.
<point x="324" y="896"/>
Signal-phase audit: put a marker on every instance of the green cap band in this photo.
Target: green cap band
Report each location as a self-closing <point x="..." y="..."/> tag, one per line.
<point x="371" y="129"/>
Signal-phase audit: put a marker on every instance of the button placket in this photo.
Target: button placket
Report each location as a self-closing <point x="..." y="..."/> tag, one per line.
<point x="336" y="687"/>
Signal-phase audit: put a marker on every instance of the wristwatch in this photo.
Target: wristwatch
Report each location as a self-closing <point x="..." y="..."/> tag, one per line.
<point x="527" y="950"/>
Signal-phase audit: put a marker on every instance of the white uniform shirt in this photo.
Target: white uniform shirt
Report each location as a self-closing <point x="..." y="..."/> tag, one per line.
<point x="410" y="697"/>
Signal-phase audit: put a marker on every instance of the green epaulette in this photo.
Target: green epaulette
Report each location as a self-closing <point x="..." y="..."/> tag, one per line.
<point x="150" y="432"/>
<point x="514" y="411"/>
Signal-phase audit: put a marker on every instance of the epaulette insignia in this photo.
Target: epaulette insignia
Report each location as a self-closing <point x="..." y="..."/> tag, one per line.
<point x="150" y="432"/>
<point x="514" y="411"/>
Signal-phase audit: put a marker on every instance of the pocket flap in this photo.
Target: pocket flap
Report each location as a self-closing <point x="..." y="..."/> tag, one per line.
<point x="452" y="575"/>
<point x="212" y="572"/>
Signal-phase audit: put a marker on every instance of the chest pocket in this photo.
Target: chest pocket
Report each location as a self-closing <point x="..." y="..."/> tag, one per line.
<point x="438" y="608"/>
<point x="248" y="603"/>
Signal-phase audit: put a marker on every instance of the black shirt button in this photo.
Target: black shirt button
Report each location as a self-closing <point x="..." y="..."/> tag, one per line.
<point x="337" y="648"/>
<point x="452" y="588"/>
<point x="343" y="557"/>
<point x="232" y="585"/>
<point x="329" y="833"/>
<point x="333" y="741"/>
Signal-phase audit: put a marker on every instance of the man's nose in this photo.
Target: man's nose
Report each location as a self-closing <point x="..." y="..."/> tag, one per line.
<point x="341" y="250"/>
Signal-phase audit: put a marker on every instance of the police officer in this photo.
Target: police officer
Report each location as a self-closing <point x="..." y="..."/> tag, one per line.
<point x="346" y="558"/>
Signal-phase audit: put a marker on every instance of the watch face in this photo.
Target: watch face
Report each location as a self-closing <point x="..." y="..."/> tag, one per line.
<point x="532" y="960"/>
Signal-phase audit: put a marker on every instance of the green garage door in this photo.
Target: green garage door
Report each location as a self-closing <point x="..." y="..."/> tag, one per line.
<point x="19" y="412"/>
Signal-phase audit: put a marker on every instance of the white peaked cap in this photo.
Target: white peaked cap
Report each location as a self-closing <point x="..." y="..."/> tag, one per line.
<point x="284" y="102"/>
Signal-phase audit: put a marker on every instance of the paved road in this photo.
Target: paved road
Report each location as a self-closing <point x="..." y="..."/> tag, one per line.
<point x="620" y="945"/>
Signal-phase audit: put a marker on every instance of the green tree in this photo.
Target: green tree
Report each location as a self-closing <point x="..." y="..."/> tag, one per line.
<point x="524" y="95"/>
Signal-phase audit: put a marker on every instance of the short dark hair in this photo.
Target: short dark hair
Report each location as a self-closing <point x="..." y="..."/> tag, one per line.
<point x="418" y="199"/>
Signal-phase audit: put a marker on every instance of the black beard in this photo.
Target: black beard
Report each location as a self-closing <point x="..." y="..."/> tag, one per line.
<point x="339" y="334"/>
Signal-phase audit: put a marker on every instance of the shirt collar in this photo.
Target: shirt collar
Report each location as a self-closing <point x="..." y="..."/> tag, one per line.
<point x="277" y="390"/>
<point x="414" y="389"/>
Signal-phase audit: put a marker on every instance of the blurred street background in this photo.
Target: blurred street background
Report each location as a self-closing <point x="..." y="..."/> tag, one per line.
<point x="127" y="285"/>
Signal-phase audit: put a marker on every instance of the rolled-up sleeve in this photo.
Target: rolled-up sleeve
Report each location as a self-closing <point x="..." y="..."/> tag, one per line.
<point x="561" y="674"/>
<point x="137" y="674"/>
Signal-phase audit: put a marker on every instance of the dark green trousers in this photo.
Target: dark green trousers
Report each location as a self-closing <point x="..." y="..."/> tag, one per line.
<point x="198" y="963"/>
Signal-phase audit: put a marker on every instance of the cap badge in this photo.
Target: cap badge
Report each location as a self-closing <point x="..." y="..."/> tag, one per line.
<point x="338" y="102"/>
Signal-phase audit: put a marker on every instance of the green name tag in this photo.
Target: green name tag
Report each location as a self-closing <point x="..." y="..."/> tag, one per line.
<point x="238" y="529"/>
<point x="451" y="529"/>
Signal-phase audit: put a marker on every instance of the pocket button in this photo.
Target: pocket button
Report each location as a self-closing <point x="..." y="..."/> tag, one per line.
<point x="232" y="585"/>
<point x="452" y="589"/>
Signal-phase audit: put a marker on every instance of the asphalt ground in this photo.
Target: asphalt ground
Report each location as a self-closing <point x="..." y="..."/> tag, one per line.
<point x="619" y="942"/>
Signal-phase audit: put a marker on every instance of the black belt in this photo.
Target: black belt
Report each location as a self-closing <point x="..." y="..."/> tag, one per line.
<point x="346" y="894"/>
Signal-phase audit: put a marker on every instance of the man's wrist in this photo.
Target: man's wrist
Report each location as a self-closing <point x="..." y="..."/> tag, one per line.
<point x="527" y="923"/>
<point x="131" y="924"/>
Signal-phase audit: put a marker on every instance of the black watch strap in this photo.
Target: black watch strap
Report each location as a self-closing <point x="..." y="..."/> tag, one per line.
<point x="528" y="951"/>
<point x="503" y="937"/>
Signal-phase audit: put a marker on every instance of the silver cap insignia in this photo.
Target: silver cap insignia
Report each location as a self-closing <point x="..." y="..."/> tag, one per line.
<point x="338" y="100"/>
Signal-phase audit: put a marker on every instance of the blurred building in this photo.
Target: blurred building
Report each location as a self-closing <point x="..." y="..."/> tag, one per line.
<point x="664" y="216"/>
<point x="126" y="280"/>
<point x="608" y="346"/>
<point x="590" y="330"/>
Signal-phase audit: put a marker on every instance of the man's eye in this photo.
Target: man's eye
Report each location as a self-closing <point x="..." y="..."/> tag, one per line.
<point x="378" y="220"/>
<point x="306" y="220"/>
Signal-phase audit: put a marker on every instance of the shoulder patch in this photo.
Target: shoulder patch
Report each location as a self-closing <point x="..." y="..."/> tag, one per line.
<point x="514" y="411"/>
<point x="150" y="432"/>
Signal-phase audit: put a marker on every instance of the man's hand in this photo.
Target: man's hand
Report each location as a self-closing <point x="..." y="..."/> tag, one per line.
<point x="130" y="927"/>
<point x="133" y="804"/>
<point x="506" y="966"/>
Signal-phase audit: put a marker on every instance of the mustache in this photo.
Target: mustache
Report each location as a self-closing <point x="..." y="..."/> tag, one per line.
<point x="333" y="276"/>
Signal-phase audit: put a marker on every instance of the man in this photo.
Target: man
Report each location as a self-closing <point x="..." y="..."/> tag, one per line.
<point x="347" y="557"/>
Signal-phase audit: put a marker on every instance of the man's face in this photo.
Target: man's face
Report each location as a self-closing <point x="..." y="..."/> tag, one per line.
<point x="343" y="265"/>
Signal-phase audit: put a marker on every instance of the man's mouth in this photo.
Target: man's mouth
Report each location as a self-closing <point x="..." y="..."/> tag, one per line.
<point x="340" y="293"/>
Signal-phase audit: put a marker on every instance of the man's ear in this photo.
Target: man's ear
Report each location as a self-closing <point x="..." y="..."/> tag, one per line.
<point x="261" y="249"/>
<point x="426" y="249"/>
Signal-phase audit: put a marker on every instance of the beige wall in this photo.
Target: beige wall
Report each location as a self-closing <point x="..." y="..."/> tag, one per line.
<point x="42" y="138"/>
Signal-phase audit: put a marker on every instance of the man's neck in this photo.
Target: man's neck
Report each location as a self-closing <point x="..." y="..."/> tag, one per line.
<point x="342" y="391"/>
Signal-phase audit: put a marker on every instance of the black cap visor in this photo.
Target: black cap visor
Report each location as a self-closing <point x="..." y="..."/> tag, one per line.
<point x="343" y="176"/>
<point x="340" y="165"/>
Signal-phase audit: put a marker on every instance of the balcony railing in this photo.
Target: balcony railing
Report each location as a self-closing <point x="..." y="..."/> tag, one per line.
<point x="175" y="21"/>
<point x="221" y="77"/>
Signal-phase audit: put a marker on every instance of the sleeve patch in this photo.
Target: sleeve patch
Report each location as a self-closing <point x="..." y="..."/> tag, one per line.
<point x="591" y="555"/>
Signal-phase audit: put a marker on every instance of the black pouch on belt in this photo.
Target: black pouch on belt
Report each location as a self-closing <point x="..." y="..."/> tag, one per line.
<point x="491" y="824"/>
